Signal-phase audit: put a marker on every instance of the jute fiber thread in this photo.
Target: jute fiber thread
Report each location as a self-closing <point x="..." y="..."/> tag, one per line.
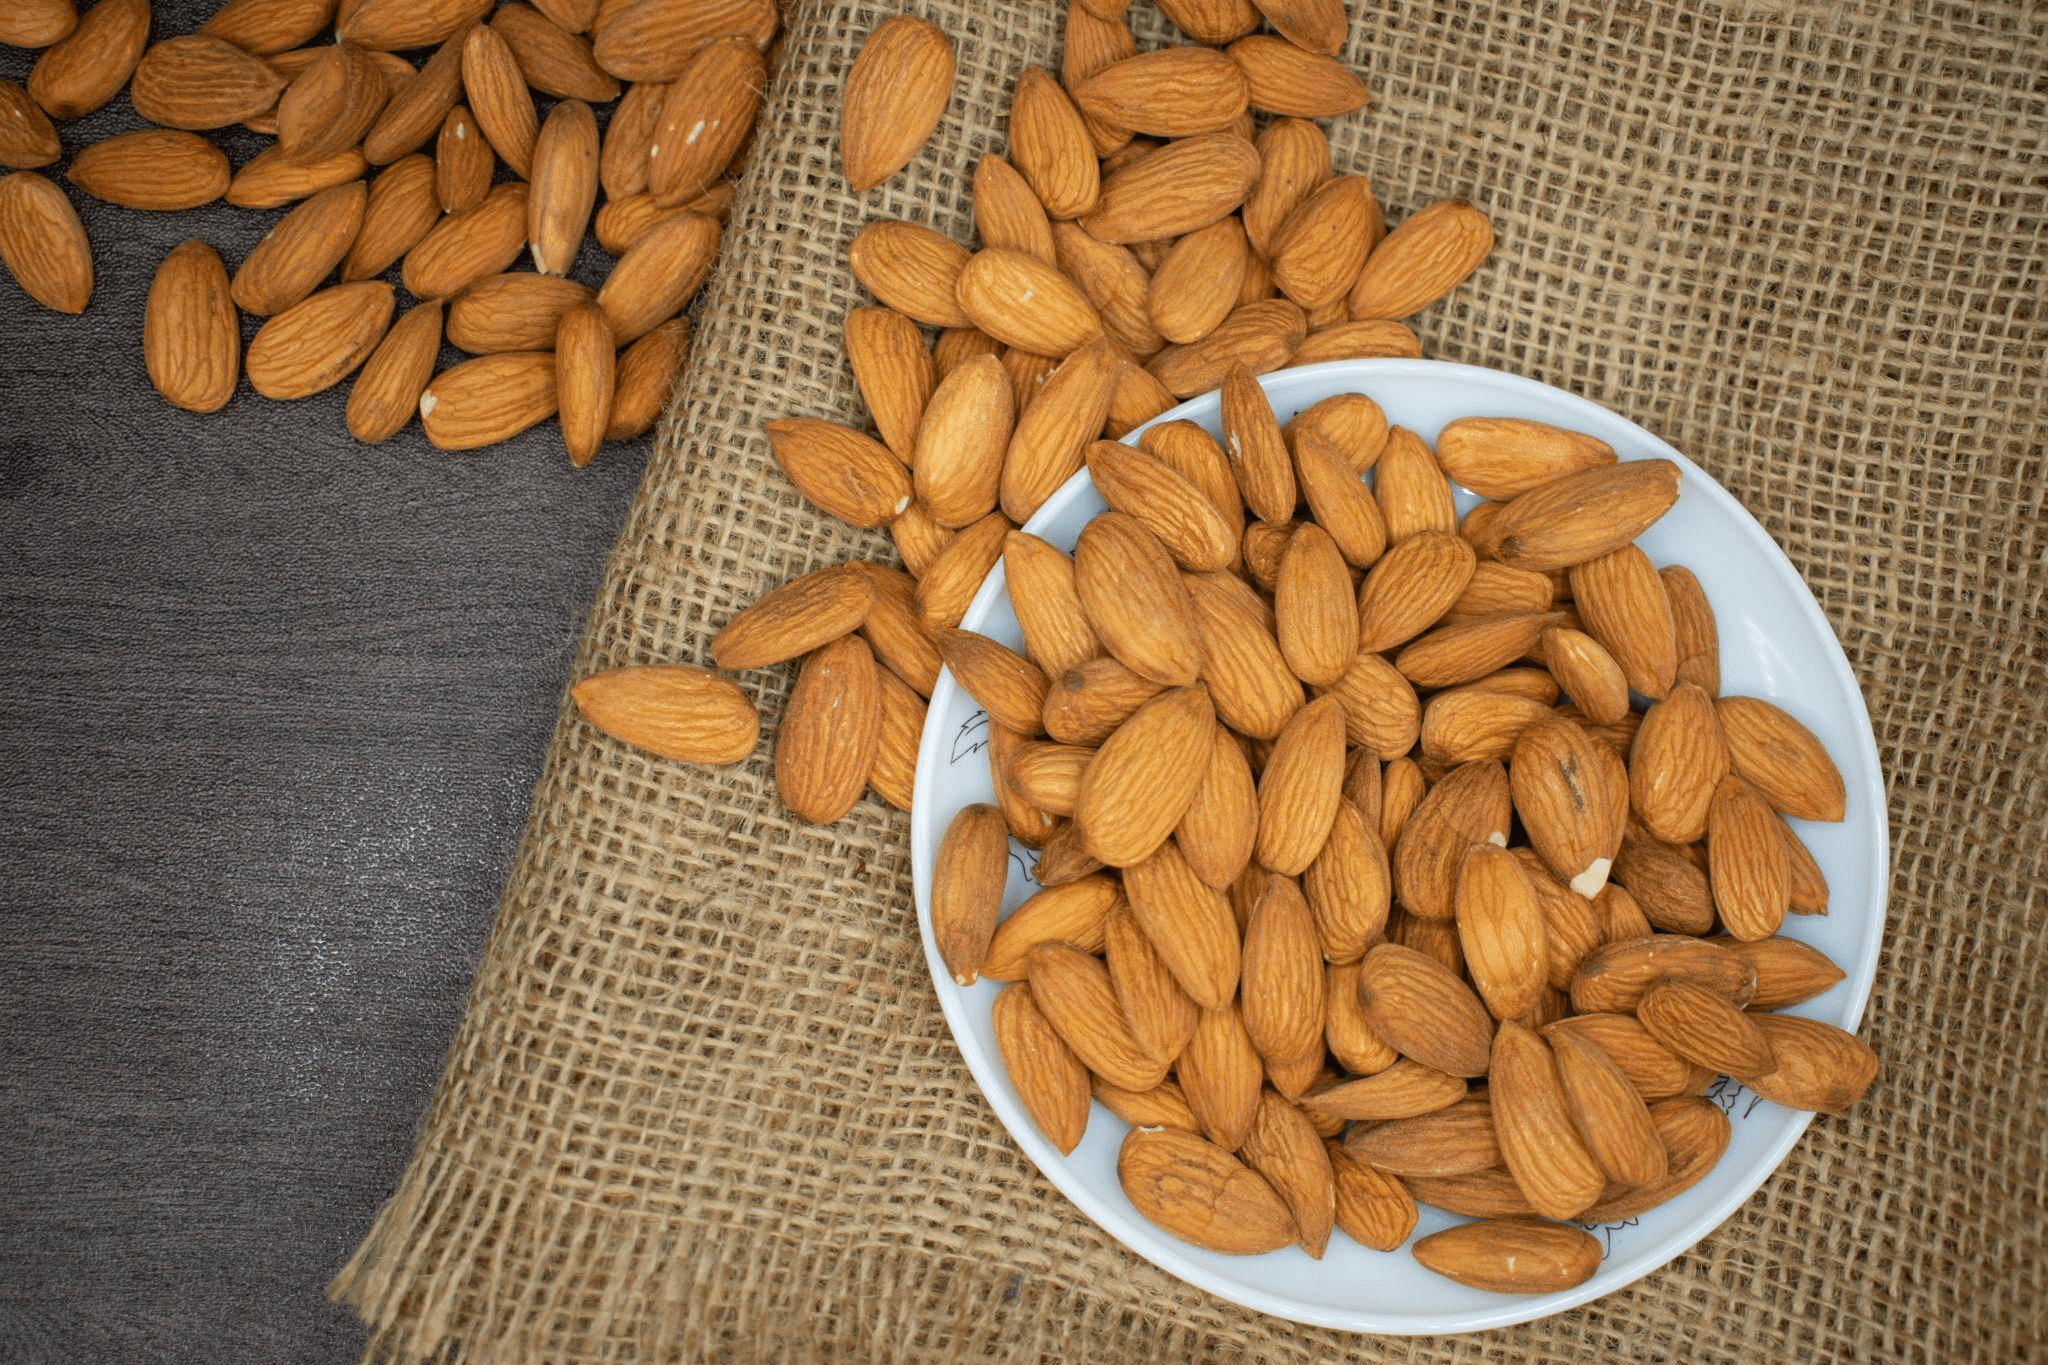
<point x="703" y="1105"/>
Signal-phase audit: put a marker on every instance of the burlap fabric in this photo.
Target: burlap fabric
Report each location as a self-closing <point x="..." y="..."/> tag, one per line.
<point x="703" y="1105"/>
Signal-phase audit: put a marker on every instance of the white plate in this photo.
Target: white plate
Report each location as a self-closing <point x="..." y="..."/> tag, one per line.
<point x="1774" y="643"/>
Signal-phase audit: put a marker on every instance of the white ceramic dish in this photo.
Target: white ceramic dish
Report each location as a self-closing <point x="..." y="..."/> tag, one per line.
<point x="1774" y="643"/>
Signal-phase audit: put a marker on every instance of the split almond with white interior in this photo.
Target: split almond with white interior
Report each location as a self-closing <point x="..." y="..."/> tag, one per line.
<point x="893" y="99"/>
<point x="678" y="711"/>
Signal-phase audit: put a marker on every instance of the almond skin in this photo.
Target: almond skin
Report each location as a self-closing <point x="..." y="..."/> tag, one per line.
<point x="1120" y="288"/>
<point x="1074" y="992"/>
<point x="954" y="576"/>
<point x="1695" y="1133"/>
<point x="1654" y="1070"/>
<point x="302" y="250"/>
<point x="1201" y="1194"/>
<point x="463" y="162"/>
<point x="1699" y="643"/>
<point x="1677" y="760"/>
<point x="968" y="874"/>
<point x="1818" y="1066"/>
<point x="1425" y="1012"/>
<point x="1423" y="259"/>
<point x="401" y="208"/>
<point x="1187" y="523"/>
<point x="678" y="711"/>
<point x="1512" y="1255"/>
<point x="1746" y="861"/>
<point x="1144" y="776"/>
<point x="489" y="399"/>
<point x="1047" y="1076"/>
<point x="1008" y="215"/>
<point x="191" y="343"/>
<point x="1454" y="1141"/>
<point x="911" y="269"/>
<point x="1781" y="758"/>
<point x="152" y="169"/>
<point x="43" y="244"/>
<point x="199" y="82"/>
<point x="1163" y="1106"/>
<point x="1257" y="451"/>
<point x="1301" y="787"/>
<point x="1340" y="502"/>
<point x="38" y="23"/>
<point x="1788" y="972"/>
<point x="585" y="363"/>
<point x="1413" y="496"/>
<point x="653" y="40"/>
<point x="1373" y="1208"/>
<point x="316" y="344"/>
<point x="1294" y="82"/>
<point x="893" y="98"/>
<point x="894" y="776"/>
<point x="1702" y="1026"/>
<point x="831" y="725"/>
<point x="386" y="394"/>
<point x="647" y="372"/>
<point x="1532" y="1119"/>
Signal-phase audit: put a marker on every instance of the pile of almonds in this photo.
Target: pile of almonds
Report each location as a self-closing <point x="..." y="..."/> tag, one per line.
<point x="682" y="80"/>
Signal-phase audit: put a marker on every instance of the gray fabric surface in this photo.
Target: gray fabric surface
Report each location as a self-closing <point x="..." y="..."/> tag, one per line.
<point x="275" y="707"/>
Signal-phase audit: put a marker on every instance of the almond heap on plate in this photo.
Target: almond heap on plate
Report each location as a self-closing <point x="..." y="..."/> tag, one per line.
<point x="436" y="146"/>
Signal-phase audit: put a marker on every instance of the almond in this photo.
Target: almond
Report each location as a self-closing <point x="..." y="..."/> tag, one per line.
<point x="152" y="169"/>
<point x="585" y="363"/>
<point x="1781" y="758"/>
<point x="463" y="162"/>
<point x="1054" y="427"/>
<point x="1699" y="644"/>
<point x="647" y="372"/>
<point x="1372" y="1208"/>
<point x="1409" y="589"/>
<point x="1043" y="1070"/>
<point x="271" y="179"/>
<point x="1456" y="654"/>
<point x="1041" y="587"/>
<point x="951" y="580"/>
<point x="1481" y="1194"/>
<point x="319" y="342"/>
<point x="1458" y="1140"/>
<point x="843" y="472"/>
<point x="1423" y="259"/>
<point x="1282" y="1146"/>
<point x="1342" y="505"/>
<point x="911" y="269"/>
<point x="332" y="104"/>
<point x="26" y="137"/>
<point x="1572" y="929"/>
<point x="1788" y="972"/>
<point x="1176" y="91"/>
<point x="1470" y="806"/>
<point x="400" y="209"/>
<point x="825" y="745"/>
<point x="386" y="394"/>
<point x="198" y="82"/>
<point x="1087" y="703"/>
<point x="1476" y="721"/>
<point x="1619" y="915"/>
<point x="1217" y="830"/>
<point x="1425" y="1012"/>
<point x="1133" y="596"/>
<point x="1501" y="929"/>
<point x="1295" y="159"/>
<point x="1074" y="992"/>
<point x="1321" y="246"/>
<point x="1051" y="148"/>
<point x="1144" y="776"/>
<point x="1615" y="977"/>
<point x="623" y="162"/>
<point x="1364" y="339"/>
<point x="1185" y="185"/>
<point x="1571" y="794"/>
<point x="1412" y="494"/>
<point x="1622" y="602"/>
<point x="1348" y="887"/>
<point x="576" y="16"/>
<point x="417" y="107"/>
<point x="968" y="874"/>
<point x="1214" y="22"/>
<point x="893" y="99"/>
<point x="1023" y="302"/>
<point x="1701" y="1025"/>
<point x="1353" y="1043"/>
<point x="1063" y="859"/>
<point x="1670" y="889"/>
<point x="1008" y="687"/>
<point x="1512" y="1255"/>
<point x="1301" y="788"/>
<point x="658" y="275"/>
<point x="1221" y="1073"/>
<point x="1610" y="1115"/>
<point x="1257" y="451"/>
<point x="1580" y="516"/>
<point x="38" y="23"/>
<point x="1587" y="673"/>
<point x="1258" y="336"/>
<point x="490" y="399"/>
<point x="512" y="312"/>
<point x="802" y="615"/>
<point x="564" y="186"/>
<point x="1317" y="25"/>
<point x="705" y="119"/>
<point x="190" y="340"/>
<point x="465" y="247"/>
<point x="1747" y="868"/>
<point x="1194" y="454"/>
<point x="399" y="25"/>
<point x="1282" y="986"/>
<point x="1076" y="913"/>
<point x="1533" y="1122"/>
<point x="88" y="67"/>
<point x="677" y="711"/>
<point x="1161" y="1016"/>
<point x="1189" y="923"/>
<point x="1500" y="457"/>
<point x="1201" y="1194"/>
<point x="43" y="244"/>
<point x="1818" y="1066"/>
<point x="1092" y="43"/>
<point x="1403" y="1090"/>
<point x="300" y="251"/>
<point x="1163" y="1106"/>
<point x="1349" y="422"/>
<point x="1677" y="760"/>
<point x="653" y="40"/>
<point x="1183" y="518"/>
<point x="1008" y="215"/>
<point x="1654" y="1070"/>
<point x="961" y="440"/>
<point x="1120" y="288"/>
<point x="1197" y="284"/>
<point x="893" y="366"/>
<point x="1294" y="82"/>
<point x="1695" y="1133"/>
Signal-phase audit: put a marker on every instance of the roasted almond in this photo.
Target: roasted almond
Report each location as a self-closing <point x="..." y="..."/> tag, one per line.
<point x="677" y="711"/>
<point x="961" y="439"/>
<point x="26" y="138"/>
<point x="893" y="366"/>
<point x="1348" y="886"/>
<point x="564" y="189"/>
<point x="1161" y="1016"/>
<point x="302" y="250"/>
<point x="38" y="23"/>
<point x="1180" y="514"/>
<point x="1677" y="760"/>
<point x="1411" y="491"/>
<point x="1571" y="794"/>
<point x="1533" y="1122"/>
<point x="1163" y="1106"/>
<point x="1454" y="1141"/>
<point x="952" y="578"/>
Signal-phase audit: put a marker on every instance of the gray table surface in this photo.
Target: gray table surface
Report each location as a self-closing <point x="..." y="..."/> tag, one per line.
<point x="274" y="706"/>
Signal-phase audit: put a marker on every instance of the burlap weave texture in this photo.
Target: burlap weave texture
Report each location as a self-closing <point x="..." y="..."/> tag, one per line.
<point x="703" y="1105"/>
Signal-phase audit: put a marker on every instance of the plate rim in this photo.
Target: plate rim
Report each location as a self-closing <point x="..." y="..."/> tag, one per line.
<point x="1510" y="1310"/>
